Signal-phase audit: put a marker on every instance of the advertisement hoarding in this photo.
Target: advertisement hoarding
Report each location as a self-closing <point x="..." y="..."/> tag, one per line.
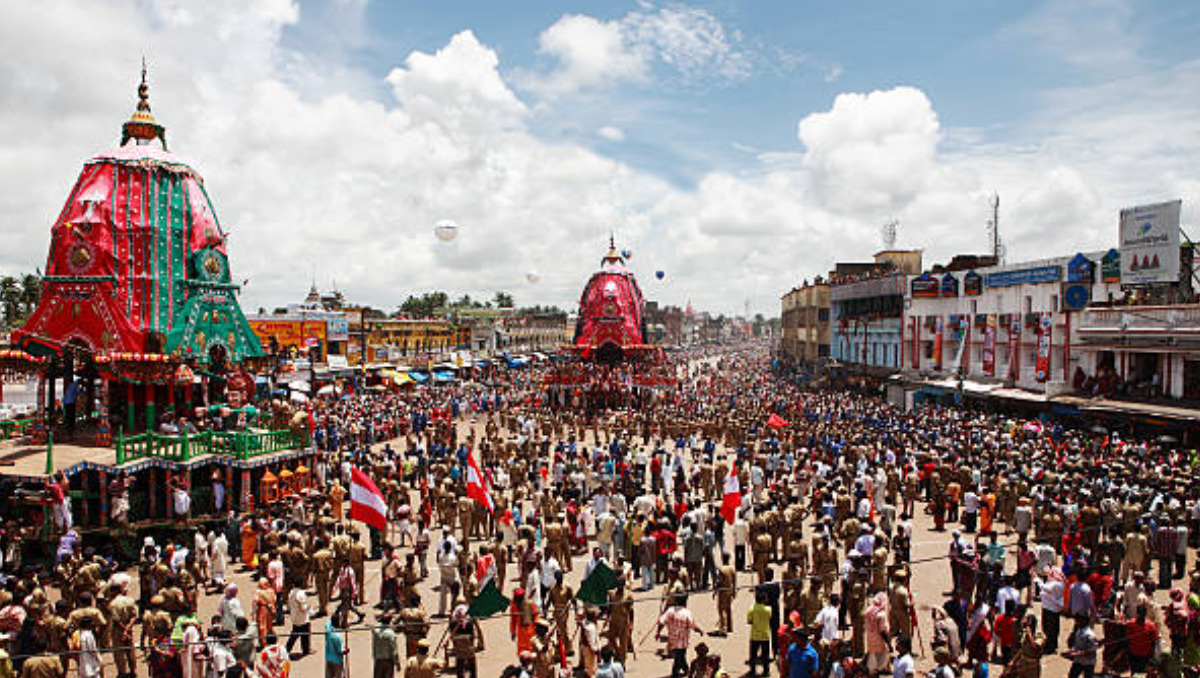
<point x="1149" y="244"/>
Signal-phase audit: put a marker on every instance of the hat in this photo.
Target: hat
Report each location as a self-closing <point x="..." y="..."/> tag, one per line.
<point x="519" y="593"/>
<point x="423" y="645"/>
<point x="901" y="573"/>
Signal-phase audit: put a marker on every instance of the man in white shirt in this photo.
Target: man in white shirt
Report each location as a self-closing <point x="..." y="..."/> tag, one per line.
<point x="904" y="666"/>
<point x="1053" y="588"/>
<point x="970" y="510"/>
<point x="447" y="562"/>
<point x="741" y="539"/>
<point x="828" y="619"/>
<point x="300" y="614"/>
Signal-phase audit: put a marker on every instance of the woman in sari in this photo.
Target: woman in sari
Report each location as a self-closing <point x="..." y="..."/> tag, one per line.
<point x="1027" y="662"/>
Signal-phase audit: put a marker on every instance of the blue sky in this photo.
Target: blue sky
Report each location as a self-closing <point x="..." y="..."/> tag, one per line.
<point x="741" y="147"/>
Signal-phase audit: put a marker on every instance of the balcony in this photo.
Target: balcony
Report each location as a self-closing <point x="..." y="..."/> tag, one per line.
<point x="1164" y="328"/>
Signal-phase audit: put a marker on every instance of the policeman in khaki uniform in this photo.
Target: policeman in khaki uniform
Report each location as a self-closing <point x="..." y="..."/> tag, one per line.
<point x="421" y="666"/>
<point x="725" y="592"/>
<point x="900" y="604"/>
<point x="322" y="566"/>
<point x="620" y="621"/>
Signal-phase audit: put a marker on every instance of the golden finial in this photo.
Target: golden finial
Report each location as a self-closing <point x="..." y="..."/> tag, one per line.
<point x="142" y="125"/>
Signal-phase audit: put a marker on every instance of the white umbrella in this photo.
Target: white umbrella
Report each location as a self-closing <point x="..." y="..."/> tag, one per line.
<point x="329" y="389"/>
<point x="299" y="397"/>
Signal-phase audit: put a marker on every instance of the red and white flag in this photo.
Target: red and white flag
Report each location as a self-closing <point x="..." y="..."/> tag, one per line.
<point x="478" y="488"/>
<point x="777" y="422"/>
<point x="366" y="501"/>
<point x="733" y="496"/>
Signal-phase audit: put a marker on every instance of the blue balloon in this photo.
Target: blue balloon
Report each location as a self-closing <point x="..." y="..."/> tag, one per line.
<point x="660" y="275"/>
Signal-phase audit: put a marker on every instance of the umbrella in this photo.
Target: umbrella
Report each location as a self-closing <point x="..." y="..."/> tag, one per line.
<point x="329" y="389"/>
<point x="1099" y="430"/>
<point x="301" y="386"/>
<point x="1168" y="439"/>
<point x="299" y="397"/>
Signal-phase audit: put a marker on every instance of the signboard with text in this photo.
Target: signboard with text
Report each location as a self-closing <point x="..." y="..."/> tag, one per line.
<point x="1149" y="244"/>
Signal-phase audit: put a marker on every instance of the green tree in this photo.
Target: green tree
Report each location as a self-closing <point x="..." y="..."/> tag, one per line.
<point x="503" y="300"/>
<point x="10" y="300"/>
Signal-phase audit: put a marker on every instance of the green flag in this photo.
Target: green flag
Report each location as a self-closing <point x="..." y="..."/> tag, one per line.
<point x="594" y="590"/>
<point x="488" y="601"/>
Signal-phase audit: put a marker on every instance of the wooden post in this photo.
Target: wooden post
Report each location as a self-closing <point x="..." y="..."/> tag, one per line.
<point x="130" y="408"/>
<point x="103" y="497"/>
<point x="150" y="409"/>
<point x="247" y="503"/>
<point x="170" y="474"/>
<point x="231" y="499"/>
<point x="152" y="494"/>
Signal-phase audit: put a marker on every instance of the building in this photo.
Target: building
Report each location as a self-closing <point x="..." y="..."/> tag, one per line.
<point x="1144" y="342"/>
<point x="805" y="332"/>
<point x="867" y="309"/>
<point x="1016" y="323"/>
<point x="316" y="324"/>
<point x="402" y="339"/>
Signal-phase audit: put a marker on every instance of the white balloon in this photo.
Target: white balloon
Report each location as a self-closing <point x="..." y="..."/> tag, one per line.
<point x="533" y="277"/>
<point x="445" y="230"/>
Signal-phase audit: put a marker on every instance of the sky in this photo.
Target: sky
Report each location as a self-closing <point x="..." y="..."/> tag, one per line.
<point x="740" y="147"/>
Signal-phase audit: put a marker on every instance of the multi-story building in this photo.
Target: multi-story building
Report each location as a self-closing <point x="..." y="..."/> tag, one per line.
<point x="867" y="309"/>
<point x="805" y="333"/>
<point x="1016" y="323"/>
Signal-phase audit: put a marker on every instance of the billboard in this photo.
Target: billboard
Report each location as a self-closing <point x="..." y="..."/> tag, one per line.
<point x="1149" y="244"/>
<point x="298" y="334"/>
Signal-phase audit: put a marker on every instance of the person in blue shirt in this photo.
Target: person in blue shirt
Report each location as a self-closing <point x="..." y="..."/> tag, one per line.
<point x="801" y="658"/>
<point x="335" y="647"/>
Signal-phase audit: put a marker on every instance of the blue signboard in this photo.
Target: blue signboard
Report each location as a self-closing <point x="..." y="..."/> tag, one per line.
<point x="1024" y="276"/>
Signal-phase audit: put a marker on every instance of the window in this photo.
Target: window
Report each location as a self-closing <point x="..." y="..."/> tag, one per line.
<point x="1028" y="304"/>
<point x="1054" y="303"/>
<point x="823" y="315"/>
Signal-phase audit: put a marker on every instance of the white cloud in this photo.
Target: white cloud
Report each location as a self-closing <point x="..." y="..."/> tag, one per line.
<point x="590" y="53"/>
<point x="833" y="74"/>
<point x="611" y="133"/>
<point x="871" y="153"/>
<point x="350" y="186"/>
<point x="686" y="44"/>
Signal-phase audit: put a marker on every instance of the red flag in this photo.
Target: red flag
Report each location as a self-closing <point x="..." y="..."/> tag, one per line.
<point x="777" y="422"/>
<point x="733" y="496"/>
<point x="477" y="485"/>
<point x="366" y="501"/>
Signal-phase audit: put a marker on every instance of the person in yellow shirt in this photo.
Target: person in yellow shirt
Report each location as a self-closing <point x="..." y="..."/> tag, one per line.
<point x="759" y="619"/>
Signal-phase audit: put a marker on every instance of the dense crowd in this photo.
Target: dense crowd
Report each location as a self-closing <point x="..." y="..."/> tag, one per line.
<point x="802" y="507"/>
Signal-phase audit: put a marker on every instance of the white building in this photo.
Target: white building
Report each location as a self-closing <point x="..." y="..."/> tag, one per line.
<point x="987" y="324"/>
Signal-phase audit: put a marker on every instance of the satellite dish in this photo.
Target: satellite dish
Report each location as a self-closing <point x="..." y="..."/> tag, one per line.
<point x="660" y="275"/>
<point x="533" y="277"/>
<point x="445" y="230"/>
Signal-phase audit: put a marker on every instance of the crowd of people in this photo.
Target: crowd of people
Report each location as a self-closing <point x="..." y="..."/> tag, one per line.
<point x="853" y="538"/>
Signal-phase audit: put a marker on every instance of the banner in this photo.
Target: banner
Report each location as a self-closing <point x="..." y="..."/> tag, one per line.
<point x="1045" y="327"/>
<point x="989" y="347"/>
<point x="937" y="344"/>
<point x="1014" y="348"/>
<point x="1149" y="244"/>
<point x="916" y="344"/>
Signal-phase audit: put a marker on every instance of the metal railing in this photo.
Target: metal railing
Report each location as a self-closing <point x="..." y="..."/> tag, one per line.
<point x="1149" y="317"/>
<point x="240" y="445"/>
<point x="13" y="428"/>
